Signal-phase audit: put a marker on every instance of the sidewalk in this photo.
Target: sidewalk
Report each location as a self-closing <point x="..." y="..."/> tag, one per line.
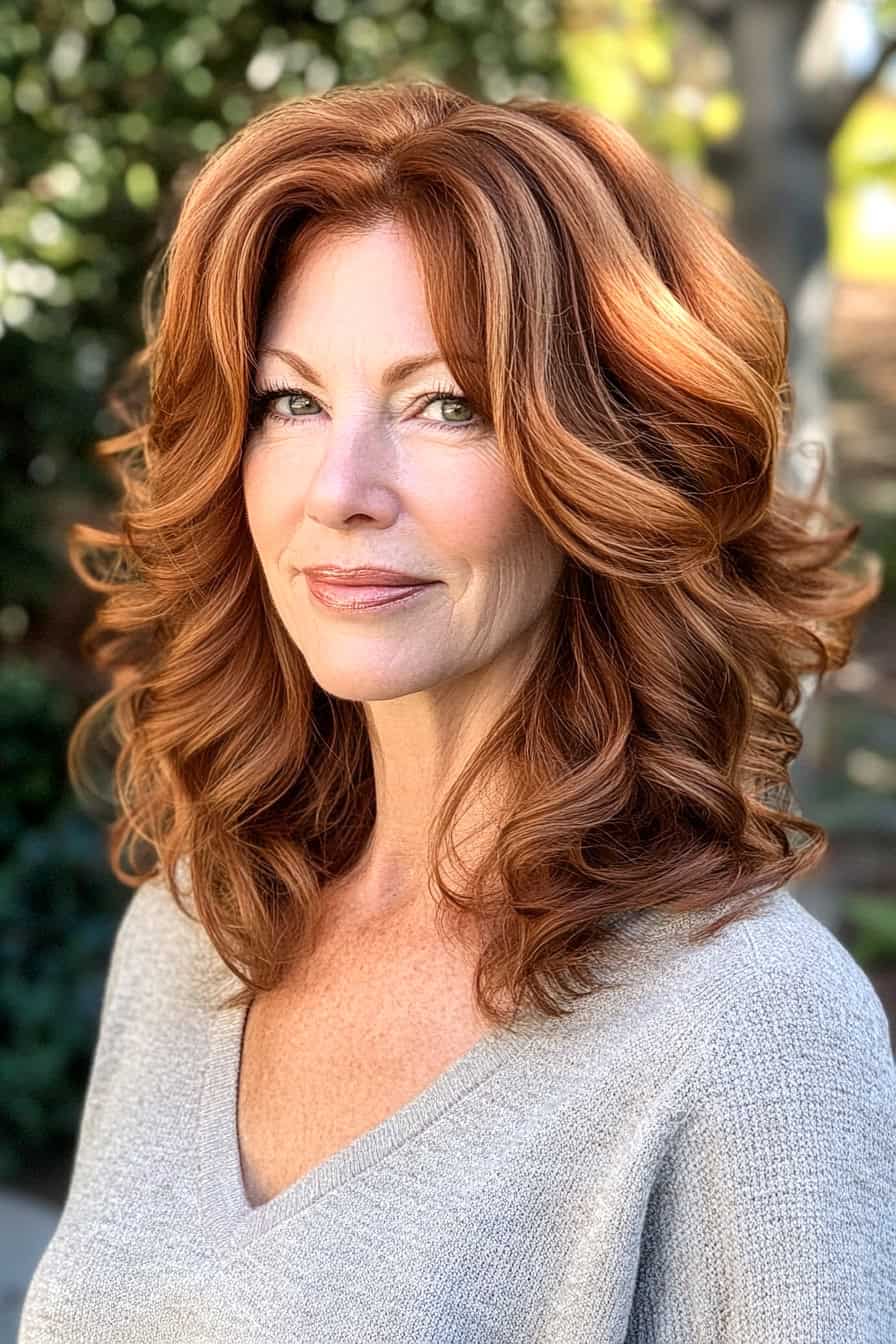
<point x="26" y="1226"/>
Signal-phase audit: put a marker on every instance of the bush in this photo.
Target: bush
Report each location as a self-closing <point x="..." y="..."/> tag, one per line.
<point x="59" y="909"/>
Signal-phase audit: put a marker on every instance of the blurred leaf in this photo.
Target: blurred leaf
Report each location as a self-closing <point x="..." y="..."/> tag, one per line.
<point x="874" y="919"/>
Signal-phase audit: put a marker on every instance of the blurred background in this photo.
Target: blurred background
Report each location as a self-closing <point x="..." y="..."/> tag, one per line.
<point x="780" y="114"/>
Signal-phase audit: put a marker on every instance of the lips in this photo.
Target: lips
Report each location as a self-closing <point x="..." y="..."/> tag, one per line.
<point x="364" y="576"/>
<point x="358" y="597"/>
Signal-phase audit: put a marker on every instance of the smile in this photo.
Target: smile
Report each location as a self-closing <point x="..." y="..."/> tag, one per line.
<point x="361" y="597"/>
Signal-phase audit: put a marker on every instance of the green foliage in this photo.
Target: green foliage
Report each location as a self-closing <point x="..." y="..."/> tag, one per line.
<point x="874" y="922"/>
<point x="863" y="166"/>
<point x="59" y="907"/>
<point x="34" y="715"/>
<point x="632" y="61"/>
<point x="660" y="70"/>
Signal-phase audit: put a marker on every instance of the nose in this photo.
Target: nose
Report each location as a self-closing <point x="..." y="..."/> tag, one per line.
<point x="355" y="476"/>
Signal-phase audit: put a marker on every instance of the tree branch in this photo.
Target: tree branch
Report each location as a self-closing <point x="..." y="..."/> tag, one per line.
<point x="843" y="97"/>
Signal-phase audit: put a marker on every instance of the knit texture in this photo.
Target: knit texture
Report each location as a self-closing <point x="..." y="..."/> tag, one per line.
<point x="703" y="1154"/>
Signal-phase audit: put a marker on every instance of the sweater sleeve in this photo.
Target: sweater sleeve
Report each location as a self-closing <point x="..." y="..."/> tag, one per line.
<point x="773" y="1217"/>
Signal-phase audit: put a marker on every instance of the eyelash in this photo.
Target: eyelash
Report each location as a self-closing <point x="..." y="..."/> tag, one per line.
<point x="260" y="400"/>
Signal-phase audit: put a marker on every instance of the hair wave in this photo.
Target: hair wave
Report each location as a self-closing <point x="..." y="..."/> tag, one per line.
<point x="635" y="375"/>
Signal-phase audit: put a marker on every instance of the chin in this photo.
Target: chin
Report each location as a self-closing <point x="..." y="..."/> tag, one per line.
<point x="349" y="685"/>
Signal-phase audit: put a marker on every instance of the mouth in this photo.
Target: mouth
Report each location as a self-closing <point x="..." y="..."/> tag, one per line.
<point x="359" y="596"/>
<point x="364" y="575"/>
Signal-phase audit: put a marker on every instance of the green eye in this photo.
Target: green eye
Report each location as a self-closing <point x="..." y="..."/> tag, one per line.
<point x="261" y="401"/>
<point x="445" y="394"/>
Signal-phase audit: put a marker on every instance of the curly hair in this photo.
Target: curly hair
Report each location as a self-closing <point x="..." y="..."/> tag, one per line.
<point x="633" y="365"/>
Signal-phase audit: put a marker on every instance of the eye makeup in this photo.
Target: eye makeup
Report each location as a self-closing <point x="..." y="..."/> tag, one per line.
<point x="262" y="399"/>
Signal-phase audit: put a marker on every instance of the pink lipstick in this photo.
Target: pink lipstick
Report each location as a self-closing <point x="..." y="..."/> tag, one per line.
<point x="361" y="597"/>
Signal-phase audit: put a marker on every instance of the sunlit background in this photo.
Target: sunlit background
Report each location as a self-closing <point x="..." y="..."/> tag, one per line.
<point x="781" y="117"/>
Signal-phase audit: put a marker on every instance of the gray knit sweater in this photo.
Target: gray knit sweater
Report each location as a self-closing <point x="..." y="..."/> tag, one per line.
<point x="705" y="1154"/>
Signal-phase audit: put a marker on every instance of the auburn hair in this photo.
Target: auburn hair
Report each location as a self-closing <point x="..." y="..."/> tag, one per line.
<point x="633" y="367"/>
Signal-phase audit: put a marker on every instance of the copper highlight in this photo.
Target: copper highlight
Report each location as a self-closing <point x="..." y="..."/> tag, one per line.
<point x="633" y="365"/>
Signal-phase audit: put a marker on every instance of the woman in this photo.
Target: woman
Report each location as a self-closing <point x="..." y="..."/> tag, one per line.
<point x="522" y="1036"/>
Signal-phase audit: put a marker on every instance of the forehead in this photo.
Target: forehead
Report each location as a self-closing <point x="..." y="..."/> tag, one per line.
<point x="352" y="301"/>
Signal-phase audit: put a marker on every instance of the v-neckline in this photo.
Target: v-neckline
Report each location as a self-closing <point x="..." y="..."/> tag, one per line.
<point x="228" y="1214"/>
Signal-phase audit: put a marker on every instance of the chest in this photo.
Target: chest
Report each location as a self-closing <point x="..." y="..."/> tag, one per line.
<point x="331" y="1056"/>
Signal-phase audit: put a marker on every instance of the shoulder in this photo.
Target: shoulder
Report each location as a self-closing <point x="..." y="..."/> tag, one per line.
<point x="769" y="1005"/>
<point x="772" y="1211"/>
<point x="799" y="1062"/>
<point x="156" y="935"/>
<point x="794" y="982"/>
<point x="776" y="971"/>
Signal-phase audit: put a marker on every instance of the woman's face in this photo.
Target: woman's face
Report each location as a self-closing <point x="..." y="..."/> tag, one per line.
<point x="347" y="470"/>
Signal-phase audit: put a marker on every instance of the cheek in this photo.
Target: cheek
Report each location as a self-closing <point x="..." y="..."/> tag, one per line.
<point x="473" y="511"/>
<point x="271" y="511"/>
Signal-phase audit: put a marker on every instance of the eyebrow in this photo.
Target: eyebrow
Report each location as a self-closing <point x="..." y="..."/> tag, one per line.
<point x="395" y="373"/>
